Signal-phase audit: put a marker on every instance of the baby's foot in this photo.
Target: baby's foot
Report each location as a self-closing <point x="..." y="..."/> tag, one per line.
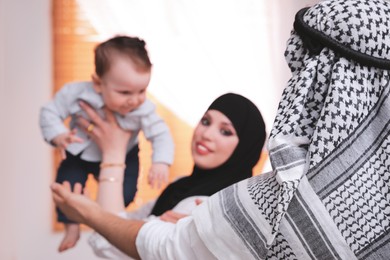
<point x="72" y="235"/>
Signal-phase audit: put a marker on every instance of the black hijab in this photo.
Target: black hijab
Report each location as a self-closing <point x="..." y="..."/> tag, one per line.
<point x="250" y="129"/>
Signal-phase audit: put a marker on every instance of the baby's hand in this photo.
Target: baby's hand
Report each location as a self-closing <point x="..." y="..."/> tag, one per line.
<point x="63" y="140"/>
<point x="158" y="175"/>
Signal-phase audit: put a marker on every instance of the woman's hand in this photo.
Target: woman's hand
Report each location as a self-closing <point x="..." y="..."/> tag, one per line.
<point x="111" y="139"/>
<point x="172" y="216"/>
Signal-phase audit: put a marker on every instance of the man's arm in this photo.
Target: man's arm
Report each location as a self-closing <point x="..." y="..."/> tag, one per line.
<point x="120" y="232"/>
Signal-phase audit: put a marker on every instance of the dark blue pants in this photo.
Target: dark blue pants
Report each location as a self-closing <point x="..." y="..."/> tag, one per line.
<point x="74" y="169"/>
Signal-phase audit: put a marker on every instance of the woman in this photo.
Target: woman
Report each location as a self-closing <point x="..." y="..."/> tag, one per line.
<point x="225" y="147"/>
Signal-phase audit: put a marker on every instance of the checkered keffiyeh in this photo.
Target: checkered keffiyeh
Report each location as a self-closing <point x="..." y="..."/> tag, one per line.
<point x="328" y="194"/>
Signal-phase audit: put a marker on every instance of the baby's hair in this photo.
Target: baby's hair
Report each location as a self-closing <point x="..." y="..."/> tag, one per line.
<point x="132" y="47"/>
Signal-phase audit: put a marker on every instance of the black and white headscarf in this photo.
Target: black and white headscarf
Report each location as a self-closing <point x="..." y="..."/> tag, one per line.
<point x="328" y="196"/>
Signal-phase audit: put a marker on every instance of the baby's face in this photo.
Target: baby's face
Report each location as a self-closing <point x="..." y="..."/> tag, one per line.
<point x="123" y="87"/>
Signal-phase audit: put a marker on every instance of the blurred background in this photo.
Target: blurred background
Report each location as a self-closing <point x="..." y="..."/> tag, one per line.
<point x="199" y="49"/>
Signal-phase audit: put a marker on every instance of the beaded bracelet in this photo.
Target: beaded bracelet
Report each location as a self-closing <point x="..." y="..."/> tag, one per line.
<point x="107" y="165"/>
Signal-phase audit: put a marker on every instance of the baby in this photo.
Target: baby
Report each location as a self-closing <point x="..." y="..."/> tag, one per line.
<point x="122" y="75"/>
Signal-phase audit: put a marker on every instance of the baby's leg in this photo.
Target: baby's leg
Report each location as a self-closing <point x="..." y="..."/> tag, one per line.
<point x="131" y="176"/>
<point x="72" y="235"/>
<point x="71" y="169"/>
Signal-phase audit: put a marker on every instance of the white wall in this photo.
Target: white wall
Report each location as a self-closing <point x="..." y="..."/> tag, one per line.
<point x="25" y="160"/>
<point x="26" y="168"/>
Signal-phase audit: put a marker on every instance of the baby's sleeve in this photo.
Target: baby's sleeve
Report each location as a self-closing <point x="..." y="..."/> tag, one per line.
<point x="53" y="114"/>
<point x="157" y="132"/>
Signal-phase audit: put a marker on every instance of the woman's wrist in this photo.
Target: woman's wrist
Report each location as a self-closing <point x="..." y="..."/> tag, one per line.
<point x="112" y="164"/>
<point x="113" y="157"/>
<point x="111" y="175"/>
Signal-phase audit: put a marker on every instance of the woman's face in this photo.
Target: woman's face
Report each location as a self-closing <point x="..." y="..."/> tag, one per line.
<point x="214" y="140"/>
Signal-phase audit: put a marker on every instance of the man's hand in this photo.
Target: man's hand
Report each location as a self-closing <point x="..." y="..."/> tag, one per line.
<point x="75" y="206"/>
